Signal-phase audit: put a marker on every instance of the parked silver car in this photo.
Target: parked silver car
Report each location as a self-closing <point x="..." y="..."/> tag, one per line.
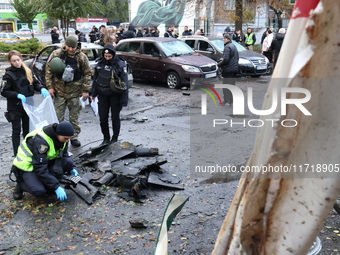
<point x="38" y="64"/>
<point x="250" y="63"/>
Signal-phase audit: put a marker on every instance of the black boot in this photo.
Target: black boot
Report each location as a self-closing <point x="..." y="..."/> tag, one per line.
<point x="18" y="193"/>
<point x="114" y="139"/>
<point x="105" y="142"/>
<point x="75" y="143"/>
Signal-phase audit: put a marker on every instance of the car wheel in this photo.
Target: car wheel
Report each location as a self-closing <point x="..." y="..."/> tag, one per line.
<point x="172" y="80"/>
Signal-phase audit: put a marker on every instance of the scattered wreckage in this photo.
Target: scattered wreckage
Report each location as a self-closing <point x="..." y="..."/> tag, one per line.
<point x="133" y="168"/>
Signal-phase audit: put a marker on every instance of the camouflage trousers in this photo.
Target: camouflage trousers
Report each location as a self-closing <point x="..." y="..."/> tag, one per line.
<point x="73" y="106"/>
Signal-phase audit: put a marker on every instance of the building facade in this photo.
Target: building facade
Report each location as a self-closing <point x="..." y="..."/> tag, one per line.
<point x="7" y="12"/>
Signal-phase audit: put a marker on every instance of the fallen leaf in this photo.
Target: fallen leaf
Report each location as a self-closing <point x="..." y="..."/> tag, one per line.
<point x="72" y="248"/>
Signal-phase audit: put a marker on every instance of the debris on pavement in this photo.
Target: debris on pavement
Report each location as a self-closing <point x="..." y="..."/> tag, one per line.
<point x="132" y="168"/>
<point x="138" y="223"/>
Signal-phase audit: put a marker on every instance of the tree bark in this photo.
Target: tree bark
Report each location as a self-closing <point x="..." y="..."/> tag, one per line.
<point x="238" y="13"/>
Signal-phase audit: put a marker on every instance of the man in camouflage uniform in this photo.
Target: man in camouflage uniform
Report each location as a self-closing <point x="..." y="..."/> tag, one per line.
<point x="68" y="93"/>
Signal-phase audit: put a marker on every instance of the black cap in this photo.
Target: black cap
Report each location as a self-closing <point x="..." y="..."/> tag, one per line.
<point x="64" y="128"/>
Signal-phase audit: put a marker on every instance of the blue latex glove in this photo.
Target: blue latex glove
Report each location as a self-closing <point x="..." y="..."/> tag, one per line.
<point x="74" y="172"/>
<point x="44" y="92"/>
<point x="61" y="194"/>
<point x="22" y="98"/>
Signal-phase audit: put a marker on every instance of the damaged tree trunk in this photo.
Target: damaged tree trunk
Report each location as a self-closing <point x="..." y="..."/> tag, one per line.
<point x="273" y="214"/>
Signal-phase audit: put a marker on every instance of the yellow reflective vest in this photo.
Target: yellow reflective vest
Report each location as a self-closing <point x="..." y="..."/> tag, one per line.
<point x="249" y="39"/>
<point x="23" y="159"/>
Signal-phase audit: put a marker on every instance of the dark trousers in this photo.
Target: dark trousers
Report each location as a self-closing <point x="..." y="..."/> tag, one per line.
<point x="269" y="55"/>
<point x="230" y="79"/>
<point x="30" y="182"/>
<point x="19" y="119"/>
<point x="104" y="105"/>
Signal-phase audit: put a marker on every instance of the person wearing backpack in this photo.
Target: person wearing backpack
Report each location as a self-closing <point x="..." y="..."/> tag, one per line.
<point x="17" y="84"/>
<point x="66" y="87"/>
<point x="110" y="65"/>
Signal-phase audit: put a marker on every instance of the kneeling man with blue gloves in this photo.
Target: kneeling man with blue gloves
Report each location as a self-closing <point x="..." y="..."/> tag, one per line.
<point x="42" y="160"/>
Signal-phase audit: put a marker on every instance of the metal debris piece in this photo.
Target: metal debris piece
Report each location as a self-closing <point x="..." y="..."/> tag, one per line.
<point x="155" y="179"/>
<point x="145" y="152"/>
<point x="139" y="223"/>
<point x="107" y="179"/>
<point x="89" y="162"/>
<point x="104" y="166"/>
<point x="86" y="191"/>
<point x="148" y="93"/>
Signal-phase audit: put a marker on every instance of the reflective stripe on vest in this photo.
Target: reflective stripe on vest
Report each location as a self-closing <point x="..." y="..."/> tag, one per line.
<point x="249" y="38"/>
<point x="23" y="159"/>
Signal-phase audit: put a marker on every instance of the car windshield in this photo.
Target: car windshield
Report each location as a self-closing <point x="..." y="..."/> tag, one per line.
<point x="218" y="43"/>
<point x="175" y="48"/>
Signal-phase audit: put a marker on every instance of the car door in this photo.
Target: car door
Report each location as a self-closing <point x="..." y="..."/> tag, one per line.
<point x="130" y="52"/>
<point x="39" y="63"/>
<point x="3" y="38"/>
<point x="191" y="43"/>
<point x="150" y="62"/>
<point x="206" y="49"/>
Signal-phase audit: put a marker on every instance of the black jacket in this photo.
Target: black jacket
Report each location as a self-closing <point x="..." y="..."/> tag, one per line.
<point x="81" y="37"/>
<point x="186" y="33"/>
<point x="40" y="162"/>
<point x="130" y="33"/>
<point x="12" y="87"/>
<point x="139" y="33"/>
<point x="229" y="64"/>
<point x="237" y="38"/>
<point x="154" y="33"/>
<point x="117" y="64"/>
<point x="55" y="37"/>
<point x="168" y="33"/>
<point x="276" y="45"/>
<point x="147" y="32"/>
<point x="93" y="36"/>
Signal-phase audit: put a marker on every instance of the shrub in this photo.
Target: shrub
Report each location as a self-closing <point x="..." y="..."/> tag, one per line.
<point x="31" y="46"/>
<point x="257" y="48"/>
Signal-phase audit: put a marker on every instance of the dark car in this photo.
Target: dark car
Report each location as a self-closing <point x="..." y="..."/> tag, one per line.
<point x="38" y="64"/>
<point x="250" y="63"/>
<point x="165" y="60"/>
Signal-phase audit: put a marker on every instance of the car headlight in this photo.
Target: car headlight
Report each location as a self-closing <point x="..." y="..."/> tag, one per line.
<point x="243" y="61"/>
<point x="191" y="69"/>
<point x="267" y="61"/>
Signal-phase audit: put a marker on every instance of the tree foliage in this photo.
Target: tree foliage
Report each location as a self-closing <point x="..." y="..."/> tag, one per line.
<point x="113" y="10"/>
<point x="67" y="10"/>
<point x="279" y="7"/>
<point x="26" y="11"/>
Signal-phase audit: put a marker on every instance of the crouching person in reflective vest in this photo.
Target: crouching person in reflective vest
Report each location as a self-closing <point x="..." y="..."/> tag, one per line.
<point x="42" y="160"/>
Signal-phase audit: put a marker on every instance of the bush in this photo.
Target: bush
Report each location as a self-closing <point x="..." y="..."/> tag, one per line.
<point x="31" y="46"/>
<point x="257" y="48"/>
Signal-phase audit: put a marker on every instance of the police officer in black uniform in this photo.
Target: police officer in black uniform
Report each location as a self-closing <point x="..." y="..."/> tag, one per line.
<point x="42" y="160"/>
<point x="17" y="84"/>
<point x="108" y="64"/>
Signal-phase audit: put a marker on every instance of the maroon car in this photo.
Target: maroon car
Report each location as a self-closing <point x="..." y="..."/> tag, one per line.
<point x="165" y="60"/>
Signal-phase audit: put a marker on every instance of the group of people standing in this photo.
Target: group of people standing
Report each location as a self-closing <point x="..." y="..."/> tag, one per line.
<point x="229" y="64"/>
<point x="42" y="158"/>
<point x="271" y="46"/>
